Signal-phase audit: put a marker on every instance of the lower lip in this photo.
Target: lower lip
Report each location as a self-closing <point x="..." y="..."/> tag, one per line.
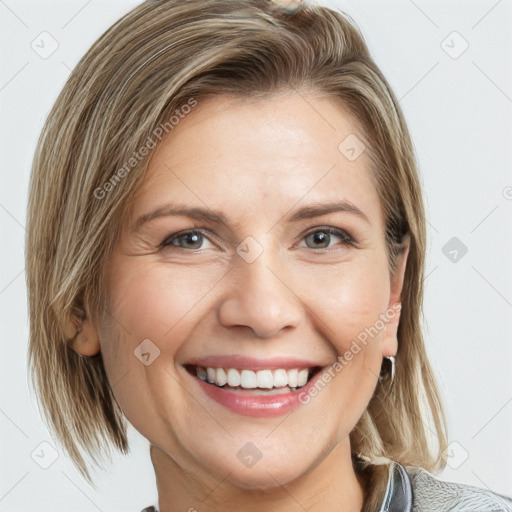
<point x="257" y="406"/>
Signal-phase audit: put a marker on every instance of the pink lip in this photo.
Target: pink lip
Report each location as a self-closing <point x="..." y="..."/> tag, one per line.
<point x="257" y="406"/>
<point x="252" y="363"/>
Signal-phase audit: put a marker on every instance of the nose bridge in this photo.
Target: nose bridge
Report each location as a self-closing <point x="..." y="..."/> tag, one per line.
<point x="260" y="298"/>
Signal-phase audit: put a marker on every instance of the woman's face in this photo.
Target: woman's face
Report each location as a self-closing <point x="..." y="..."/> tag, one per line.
<point x="285" y="268"/>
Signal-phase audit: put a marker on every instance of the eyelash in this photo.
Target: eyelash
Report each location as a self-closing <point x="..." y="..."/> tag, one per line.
<point x="346" y="239"/>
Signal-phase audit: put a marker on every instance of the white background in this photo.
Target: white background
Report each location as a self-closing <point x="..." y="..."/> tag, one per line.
<point x="459" y="111"/>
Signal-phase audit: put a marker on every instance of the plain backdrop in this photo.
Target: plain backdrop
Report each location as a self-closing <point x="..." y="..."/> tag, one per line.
<point x="449" y="64"/>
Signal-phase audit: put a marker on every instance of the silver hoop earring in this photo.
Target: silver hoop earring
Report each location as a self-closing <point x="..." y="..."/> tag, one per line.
<point x="393" y="364"/>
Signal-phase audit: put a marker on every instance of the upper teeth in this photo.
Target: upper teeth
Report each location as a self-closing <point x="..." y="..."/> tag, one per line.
<point x="266" y="379"/>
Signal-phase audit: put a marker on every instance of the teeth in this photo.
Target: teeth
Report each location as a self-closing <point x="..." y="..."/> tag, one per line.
<point x="302" y="378"/>
<point x="201" y="373"/>
<point x="265" y="379"/>
<point x="280" y="378"/>
<point x="233" y="377"/>
<point x="222" y="378"/>
<point x="292" y="378"/>
<point x="248" y="379"/>
<point x="210" y="375"/>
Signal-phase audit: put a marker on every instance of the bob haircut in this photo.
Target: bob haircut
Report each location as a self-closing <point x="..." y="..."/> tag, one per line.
<point x="153" y="65"/>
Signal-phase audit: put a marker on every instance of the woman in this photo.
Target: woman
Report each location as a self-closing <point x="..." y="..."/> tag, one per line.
<point x="226" y="243"/>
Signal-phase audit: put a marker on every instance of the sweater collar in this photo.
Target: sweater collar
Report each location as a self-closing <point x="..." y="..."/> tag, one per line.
<point x="398" y="496"/>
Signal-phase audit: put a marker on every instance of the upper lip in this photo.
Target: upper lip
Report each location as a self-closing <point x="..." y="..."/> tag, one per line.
<point x="252" y="363"/>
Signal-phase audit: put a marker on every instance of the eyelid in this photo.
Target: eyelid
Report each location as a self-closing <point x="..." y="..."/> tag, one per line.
<point x="174" y="236"/>
<point x="342" y="233"/>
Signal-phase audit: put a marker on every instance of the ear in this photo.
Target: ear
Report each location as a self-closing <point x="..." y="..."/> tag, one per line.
<point x="85" y="341"/>
<point x="389" y="337"/>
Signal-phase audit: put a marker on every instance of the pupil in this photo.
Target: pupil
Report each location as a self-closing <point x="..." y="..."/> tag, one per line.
<point x="321" y="238"/>
<point x="192" y="239"/>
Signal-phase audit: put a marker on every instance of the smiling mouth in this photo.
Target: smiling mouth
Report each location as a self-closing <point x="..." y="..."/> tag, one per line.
<point x="265" y="382"/>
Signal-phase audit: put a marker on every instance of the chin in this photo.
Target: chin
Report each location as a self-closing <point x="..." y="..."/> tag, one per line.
<point x="264" y="477"/>
<point x="268" y="469"/>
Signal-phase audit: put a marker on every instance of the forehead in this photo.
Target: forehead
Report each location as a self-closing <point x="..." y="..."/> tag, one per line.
<point x="262" y="155"/>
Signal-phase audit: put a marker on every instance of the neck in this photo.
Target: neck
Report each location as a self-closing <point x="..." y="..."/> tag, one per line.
<point x="331" y="485"/>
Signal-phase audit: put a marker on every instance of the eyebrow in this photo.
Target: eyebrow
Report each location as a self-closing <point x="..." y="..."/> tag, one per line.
<point x="206" y="214"/>
<point x="317" y="210"/>
<point x="176" y="210"/>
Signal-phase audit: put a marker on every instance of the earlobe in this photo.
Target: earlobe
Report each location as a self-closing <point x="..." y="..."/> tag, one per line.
<point x="86" y="340"/>
<point x="390" y="338"/>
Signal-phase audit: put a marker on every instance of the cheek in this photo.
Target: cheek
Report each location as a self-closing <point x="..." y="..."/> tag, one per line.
<point x="350" y="298"/>
<point x="148" y="302"/>
<point x="349" y="305"/>
<point x="156" y="301"/>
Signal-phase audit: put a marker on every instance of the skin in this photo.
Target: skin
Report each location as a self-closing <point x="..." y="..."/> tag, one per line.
<point x="257" y="163"/>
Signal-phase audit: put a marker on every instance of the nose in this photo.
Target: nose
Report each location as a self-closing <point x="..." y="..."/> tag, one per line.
<point x="260" y="298"/>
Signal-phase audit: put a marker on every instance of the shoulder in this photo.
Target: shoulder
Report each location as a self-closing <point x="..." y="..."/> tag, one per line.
<point x="430" y="493"/>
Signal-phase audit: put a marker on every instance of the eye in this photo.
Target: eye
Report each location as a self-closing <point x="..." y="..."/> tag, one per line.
<point x="321" y="238"/>
<point x="191" y="240"/>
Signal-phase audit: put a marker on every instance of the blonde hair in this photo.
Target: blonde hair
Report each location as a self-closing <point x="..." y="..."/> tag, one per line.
<point x="159" y="57"/>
